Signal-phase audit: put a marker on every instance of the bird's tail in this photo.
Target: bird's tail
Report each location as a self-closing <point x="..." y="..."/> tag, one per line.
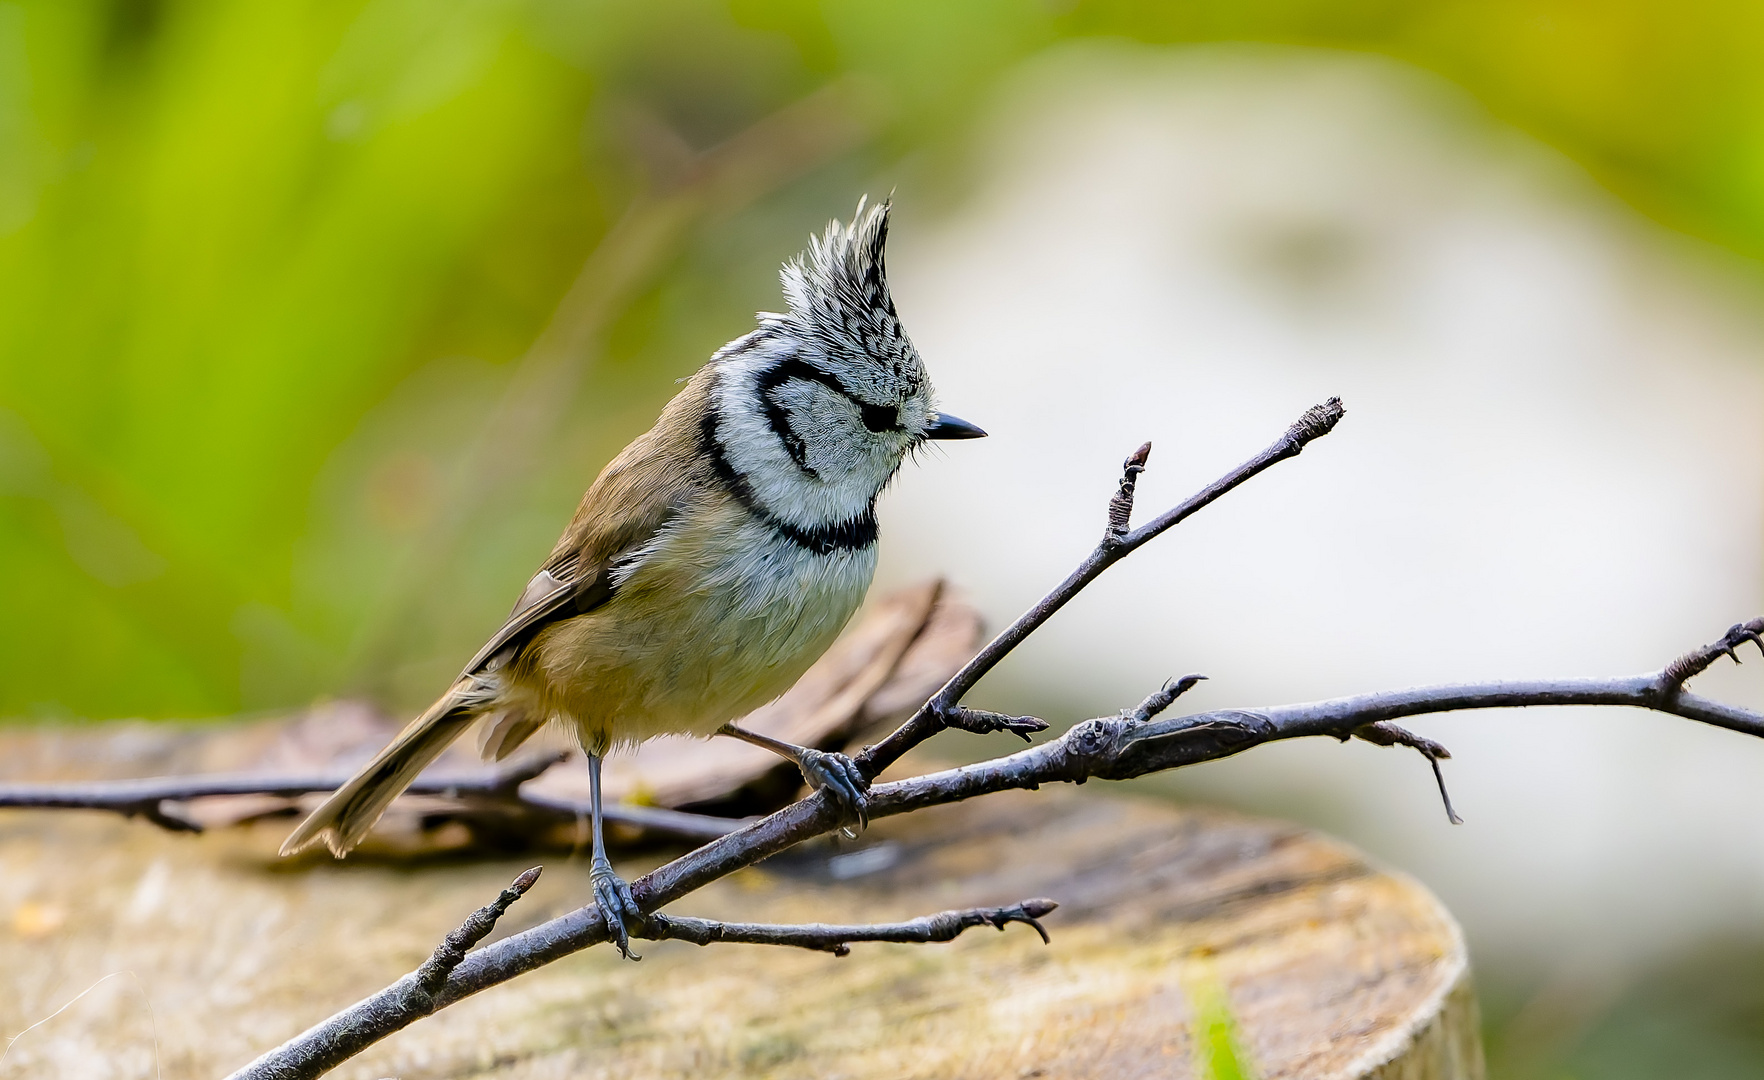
<point x="353" y="808"/>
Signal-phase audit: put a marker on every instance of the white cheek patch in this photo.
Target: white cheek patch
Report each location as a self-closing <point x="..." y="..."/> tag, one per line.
<point x="846" y="464"/>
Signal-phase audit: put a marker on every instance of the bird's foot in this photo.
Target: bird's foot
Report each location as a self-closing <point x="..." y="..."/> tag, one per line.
<point x="617" y="906"/>
<point x="840" y="777"/>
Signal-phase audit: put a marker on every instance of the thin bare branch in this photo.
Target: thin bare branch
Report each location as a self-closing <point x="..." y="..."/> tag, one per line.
<point x="926" y="929"/>
<point x="413" y="995"/>
<point x="1385" y="733"/>
<point x="155" y="798"/>
<point x="1117" y="543"/>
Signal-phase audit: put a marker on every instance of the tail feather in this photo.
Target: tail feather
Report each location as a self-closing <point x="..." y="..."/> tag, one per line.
<point x="345" y="818"/>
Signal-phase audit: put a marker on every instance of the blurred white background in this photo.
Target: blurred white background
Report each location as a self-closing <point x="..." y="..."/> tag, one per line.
<point x="1552" y="464"/>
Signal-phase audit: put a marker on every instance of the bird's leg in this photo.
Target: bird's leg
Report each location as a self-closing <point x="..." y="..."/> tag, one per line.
<point x="832" y="772"/>
<point x="611" y="894"/>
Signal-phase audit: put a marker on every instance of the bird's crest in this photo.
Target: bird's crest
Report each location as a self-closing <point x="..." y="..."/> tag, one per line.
<point x="838" y="295"/>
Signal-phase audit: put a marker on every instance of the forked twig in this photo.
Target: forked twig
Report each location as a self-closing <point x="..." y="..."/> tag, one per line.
<point x="414" y="995"/>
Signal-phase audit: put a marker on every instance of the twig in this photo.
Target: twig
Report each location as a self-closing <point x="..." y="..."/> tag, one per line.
<point x="501" y="787"/>
<point x="1385" y="733"/>
<point x="1697" y="661"/>
<point x="1165" y="696"/>
<point x="413" y="995"/>
<point x="944" y="708"/>
<point x="433" y="974"/>
<point x="943" y="926"/>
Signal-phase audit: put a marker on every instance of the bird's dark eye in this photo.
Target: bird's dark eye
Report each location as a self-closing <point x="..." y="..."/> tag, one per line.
<point x="880" y="417"/>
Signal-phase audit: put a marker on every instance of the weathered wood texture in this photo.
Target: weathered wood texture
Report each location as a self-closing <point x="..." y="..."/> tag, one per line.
<point x="1331" y="967"/>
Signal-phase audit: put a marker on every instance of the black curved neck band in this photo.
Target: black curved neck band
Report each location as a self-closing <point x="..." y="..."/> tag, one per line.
<point x="851" y="535"/>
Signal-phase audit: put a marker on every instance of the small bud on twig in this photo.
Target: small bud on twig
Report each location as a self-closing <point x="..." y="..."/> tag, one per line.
<point x="1159" y="700"/>
<point x="1121" y="505"/>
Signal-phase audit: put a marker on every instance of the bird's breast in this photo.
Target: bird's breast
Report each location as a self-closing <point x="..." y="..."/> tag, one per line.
<point x="719" y="614"/>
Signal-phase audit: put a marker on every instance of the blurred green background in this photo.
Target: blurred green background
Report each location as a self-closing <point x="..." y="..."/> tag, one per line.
<point x="315" y="318"/>
<point x="273" y="423"/>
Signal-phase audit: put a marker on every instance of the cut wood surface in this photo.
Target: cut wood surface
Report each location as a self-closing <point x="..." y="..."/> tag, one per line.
<point x="216" y="950"/>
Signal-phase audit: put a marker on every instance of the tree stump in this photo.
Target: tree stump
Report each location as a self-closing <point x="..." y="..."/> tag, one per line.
<point x="1325" y="965"/>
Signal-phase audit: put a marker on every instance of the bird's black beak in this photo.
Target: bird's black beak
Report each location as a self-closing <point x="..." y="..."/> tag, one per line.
<point x="945" y="426"/>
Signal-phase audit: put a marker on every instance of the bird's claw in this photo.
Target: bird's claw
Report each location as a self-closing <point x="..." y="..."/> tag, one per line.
<point x="617" y="906"/>
<point x="841" y="778"/>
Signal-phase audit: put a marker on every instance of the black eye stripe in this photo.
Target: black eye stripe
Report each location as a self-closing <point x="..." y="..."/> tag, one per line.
<point x="876" y="417"/>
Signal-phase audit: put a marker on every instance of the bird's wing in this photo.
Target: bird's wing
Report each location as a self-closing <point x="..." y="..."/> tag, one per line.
<point x="622" y="511"/>
<point x="554" y="593"/>
<point x="573" y="582"/>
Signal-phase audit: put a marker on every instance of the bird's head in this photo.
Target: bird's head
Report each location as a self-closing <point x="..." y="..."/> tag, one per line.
<point x="820" y="405"/>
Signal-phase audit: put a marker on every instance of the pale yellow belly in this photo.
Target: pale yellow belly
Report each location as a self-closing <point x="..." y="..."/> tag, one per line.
<point x="724" y="616"/>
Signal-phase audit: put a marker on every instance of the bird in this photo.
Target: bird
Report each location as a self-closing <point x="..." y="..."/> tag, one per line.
<point x="710" y="563"/>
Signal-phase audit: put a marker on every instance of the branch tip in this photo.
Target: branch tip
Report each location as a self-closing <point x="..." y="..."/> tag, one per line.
<point x="526" y="881"/>
<point x="1444" y="795"/>
<point x="1318" y="421"/>
<point x="1160" y="699"/>
<point x="1697" y="661"/>
<point x="1121" y="503"/>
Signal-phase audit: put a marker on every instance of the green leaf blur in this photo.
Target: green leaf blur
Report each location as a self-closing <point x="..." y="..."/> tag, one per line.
<point x="264" y="267"/>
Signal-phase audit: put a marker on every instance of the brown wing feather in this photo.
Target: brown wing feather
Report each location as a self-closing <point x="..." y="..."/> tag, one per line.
<point x="623" y="509"/>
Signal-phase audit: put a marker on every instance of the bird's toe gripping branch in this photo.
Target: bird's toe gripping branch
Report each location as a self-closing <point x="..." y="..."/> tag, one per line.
<point x="618" y="907"/>
<point x="841" y="778"/>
